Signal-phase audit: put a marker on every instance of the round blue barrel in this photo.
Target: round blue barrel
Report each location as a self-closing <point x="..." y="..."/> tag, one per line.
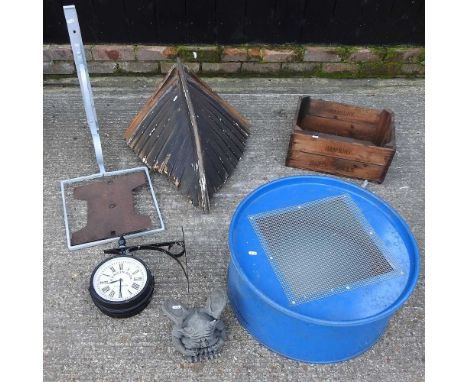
<point x="324" y="330"/>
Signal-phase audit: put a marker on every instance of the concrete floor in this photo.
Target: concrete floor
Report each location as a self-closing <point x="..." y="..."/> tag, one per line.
<point x="82" y="344"/>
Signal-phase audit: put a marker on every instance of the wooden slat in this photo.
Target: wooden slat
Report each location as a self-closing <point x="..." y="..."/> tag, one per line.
<point x="287" y="20"/>
<point x="55" y="29"/>
<point x="230" y="20"/>
<point x="384" y="130"/>
<point x="341" y="111"/>
<point x="260" y="19"/>
<point x="397" y="23"/>
<point x="345" y="150"/>
<point x="142" y="24"/>
<point x="201" y="23"/>
<point x="316" y="19"/>
<point x="346" y="17"/>
<point x="337" y="166"/>
<point x="357" y="130"/>
<point x="170" y="77"/>
<point x="374" y="21"/>
<point x="171" y="18"/>
<point x="110" y="19"/>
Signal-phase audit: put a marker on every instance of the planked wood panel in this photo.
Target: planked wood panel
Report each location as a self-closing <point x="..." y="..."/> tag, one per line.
<point x="242" y="21"/>
<point x="201" y="21"/>
<point x="141" y="21"/>
<point x="230" y="21"/>
<point x="171" y="18"/>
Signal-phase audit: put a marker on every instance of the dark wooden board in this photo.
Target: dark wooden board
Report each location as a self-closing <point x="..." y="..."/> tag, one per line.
<point x="200" y="21"/>
<point x="141" y="21"/>
<point x="171" y="18"/>
<point x="230" y="21"/>
<point x="356" y="22"/>
<point x="286" y="21"/>
<point x="109" y="19"/>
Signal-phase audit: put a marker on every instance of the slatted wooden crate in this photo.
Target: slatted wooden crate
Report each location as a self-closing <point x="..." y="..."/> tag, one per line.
<point x="342" y="139"/>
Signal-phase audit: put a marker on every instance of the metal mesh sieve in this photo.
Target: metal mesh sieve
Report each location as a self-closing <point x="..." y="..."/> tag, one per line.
<point x="321" y="248"/>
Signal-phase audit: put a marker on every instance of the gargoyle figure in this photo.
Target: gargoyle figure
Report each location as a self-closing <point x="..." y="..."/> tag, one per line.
<point x="198" y="333"/>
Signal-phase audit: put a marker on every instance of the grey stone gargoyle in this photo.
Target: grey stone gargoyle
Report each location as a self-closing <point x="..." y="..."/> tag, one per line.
<point x="198" y="333"/>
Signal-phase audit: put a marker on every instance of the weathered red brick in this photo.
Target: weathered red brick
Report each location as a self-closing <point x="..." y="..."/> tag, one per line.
<point x="321" y="54"/>
<point x="139" y="67"/>
<point x="406" y="54"/>
<point x="260" y="67"/>
<point x="114" y="53"/>
<point x="88" y="52"/>
<point x="166" y="66"/>
<point x="102" y="67"/>
<point x="389" y="69"/>
<point x="339" y="68"/>
<point x="234" y="54"/>
<point x="155" y="53"/>
<point x="223" y="67"/>
<point x="300" y="67"/>
<point x="278" y="55"/>
<point x="412" y="68"/>
<point x="62" y="53"/>
<point x="363" y="55"/>
<point x="58" y="68"/>
<point x="254" y="54"/>
<point x="45" y="53"/>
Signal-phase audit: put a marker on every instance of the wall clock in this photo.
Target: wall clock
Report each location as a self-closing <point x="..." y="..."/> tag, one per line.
<point x="122" y="286"/>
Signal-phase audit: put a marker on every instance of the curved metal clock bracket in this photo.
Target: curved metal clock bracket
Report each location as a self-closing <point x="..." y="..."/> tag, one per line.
<point x="174" y="249"/>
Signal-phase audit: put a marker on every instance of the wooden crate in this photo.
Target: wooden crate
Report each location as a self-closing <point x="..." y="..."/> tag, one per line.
<point x="342" y="139"/>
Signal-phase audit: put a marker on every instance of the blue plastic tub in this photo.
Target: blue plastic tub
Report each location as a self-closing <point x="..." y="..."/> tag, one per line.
<point x="334" y="327"/>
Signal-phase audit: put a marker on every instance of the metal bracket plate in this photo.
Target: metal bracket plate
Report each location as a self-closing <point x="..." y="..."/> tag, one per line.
<point x="111" y="212"/>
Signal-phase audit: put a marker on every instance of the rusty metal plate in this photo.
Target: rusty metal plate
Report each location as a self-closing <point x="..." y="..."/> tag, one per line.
<point x="111" y="212"/>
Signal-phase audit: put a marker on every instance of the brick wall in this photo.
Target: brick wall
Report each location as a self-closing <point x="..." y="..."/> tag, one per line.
<point x="321" y="61"/>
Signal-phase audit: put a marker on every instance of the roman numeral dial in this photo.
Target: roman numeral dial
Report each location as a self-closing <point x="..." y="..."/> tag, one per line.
<point x="119" y="279"/>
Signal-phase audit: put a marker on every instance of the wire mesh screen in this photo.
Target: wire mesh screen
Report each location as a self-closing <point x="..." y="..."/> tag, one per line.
<point x="321" y="248"/>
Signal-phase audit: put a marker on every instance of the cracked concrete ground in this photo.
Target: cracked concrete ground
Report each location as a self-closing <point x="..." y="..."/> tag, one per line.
<point x="81" y="344"/>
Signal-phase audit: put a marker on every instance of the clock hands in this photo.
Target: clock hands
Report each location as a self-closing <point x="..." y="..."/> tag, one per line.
<point x="120" y="288"/>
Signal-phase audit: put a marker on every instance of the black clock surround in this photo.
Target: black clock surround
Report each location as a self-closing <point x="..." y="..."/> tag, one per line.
<point x="125" y="308"/>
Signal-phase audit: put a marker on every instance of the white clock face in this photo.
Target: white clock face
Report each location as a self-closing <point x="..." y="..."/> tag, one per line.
<point x="120" y="279"/>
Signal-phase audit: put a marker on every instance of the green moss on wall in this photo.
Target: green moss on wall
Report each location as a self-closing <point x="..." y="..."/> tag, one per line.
<point x="422" y="56"/>
<point x="203" y="53"/>
<point x="345" y="52"/>
<point x="299" y="51"/>
<point x="379" y="69"/>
